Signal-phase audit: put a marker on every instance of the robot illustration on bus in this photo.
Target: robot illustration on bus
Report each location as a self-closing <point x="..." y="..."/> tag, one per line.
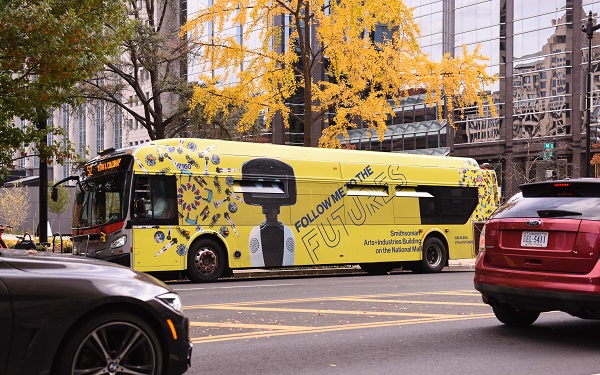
<point x="270" y="183"/>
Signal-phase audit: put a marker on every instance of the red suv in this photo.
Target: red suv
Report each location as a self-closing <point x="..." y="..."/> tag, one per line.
<point x="539" y="252"/>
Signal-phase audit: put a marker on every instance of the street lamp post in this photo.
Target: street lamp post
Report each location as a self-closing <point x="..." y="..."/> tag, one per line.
<point x="588" y="29"/>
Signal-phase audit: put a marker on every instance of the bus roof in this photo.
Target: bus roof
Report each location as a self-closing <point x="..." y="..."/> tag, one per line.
<point x="286" y="152"/>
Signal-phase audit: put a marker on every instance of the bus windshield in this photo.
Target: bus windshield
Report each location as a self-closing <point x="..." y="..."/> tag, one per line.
<point x="101" y="200"/>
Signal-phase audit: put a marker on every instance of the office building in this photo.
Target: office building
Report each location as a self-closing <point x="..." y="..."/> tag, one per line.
<point x="540" y="54"/>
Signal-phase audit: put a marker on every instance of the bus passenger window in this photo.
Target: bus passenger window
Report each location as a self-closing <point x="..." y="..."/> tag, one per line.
<point x="154" y="199"/>
<point x="447" y="204"/>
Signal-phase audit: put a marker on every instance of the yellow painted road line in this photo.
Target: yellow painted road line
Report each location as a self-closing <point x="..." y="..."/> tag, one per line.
<point x="326" y="311"/>
<point x="245" y="326"/>
<point x="304" y="330"/>
<point x="319" y="299"/>
<point x="457" y="293"/>
<point x="410" y="302"/>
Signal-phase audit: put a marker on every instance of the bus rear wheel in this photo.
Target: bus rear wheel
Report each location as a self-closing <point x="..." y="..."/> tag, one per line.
<point x="206" y="261"/>
<point x="435" y="257"/>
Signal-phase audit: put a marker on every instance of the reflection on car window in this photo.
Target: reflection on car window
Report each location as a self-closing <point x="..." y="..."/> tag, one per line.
<point x="582" y="208"/>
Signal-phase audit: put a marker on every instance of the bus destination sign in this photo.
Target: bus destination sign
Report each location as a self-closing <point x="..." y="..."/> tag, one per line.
<point x="107" y="166"/>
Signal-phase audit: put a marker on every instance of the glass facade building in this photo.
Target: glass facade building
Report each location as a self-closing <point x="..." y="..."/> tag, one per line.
<point x="540" y="55"/>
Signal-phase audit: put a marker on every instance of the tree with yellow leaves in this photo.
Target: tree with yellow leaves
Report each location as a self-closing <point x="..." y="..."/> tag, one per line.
<point x="14" y="205"/>
<point x="285" y="43"/>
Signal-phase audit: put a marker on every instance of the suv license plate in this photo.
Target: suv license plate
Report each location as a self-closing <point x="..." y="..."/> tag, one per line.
<point x="534" y="239"/>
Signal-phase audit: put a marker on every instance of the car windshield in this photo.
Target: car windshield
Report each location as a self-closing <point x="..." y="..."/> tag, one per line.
<point x="100" y="200"/>
<point x="585" y="208"/>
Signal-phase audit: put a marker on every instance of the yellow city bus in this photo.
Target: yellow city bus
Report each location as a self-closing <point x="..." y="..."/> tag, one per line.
<point x="206" y="207"/>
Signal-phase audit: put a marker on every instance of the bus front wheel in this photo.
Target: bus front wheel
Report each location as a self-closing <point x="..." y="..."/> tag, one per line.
<point x="206" y="261"/>
<point x="435" y="257"/>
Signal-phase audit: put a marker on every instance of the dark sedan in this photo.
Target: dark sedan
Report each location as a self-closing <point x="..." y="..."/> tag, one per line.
<point x="67" y="315"/>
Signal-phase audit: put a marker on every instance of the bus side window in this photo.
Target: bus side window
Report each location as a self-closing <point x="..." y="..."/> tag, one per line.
<point x="155" y="199"/>
<point x="141" y="197"/>
<point x="448" y="204"/>
<point x="164" y="202"/>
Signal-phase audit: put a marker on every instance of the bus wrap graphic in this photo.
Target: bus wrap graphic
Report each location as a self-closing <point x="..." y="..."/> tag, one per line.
<point x="240" y="205"/>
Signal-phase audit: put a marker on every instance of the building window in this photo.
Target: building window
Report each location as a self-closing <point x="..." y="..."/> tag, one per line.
<point x="82" y="131"/>
<point x="99" y="123"/>
<point x="65" y="124"/>
<point x="22" y="160"/>
<point x="118" y="128"/>
<point x="50" y="136"/>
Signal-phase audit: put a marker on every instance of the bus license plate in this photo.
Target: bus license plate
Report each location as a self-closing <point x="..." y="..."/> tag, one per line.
<point x="534" y="239"/>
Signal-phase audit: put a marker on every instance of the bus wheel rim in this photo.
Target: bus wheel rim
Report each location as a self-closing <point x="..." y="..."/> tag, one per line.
<point x="206" y="260"/>
<point x="433" y="255"/>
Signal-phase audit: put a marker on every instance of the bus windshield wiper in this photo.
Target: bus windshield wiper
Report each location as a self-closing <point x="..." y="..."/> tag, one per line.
<point x="557" y="213"/>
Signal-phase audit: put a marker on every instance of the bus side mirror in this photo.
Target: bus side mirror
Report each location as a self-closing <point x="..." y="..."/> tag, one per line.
<point x="54" y="194"/>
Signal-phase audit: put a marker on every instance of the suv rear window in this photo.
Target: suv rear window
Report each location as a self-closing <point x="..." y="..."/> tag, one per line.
<point x="563" y="199"/>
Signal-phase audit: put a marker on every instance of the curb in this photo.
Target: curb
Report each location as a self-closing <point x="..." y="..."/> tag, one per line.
<point x="454" y="265"/>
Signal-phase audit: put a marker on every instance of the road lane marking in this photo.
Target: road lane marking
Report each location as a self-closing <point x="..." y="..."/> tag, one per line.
<point x="268" y="330"/>
<point x="327" y="311"/>
<point x="312" y="299"/>
<point x="246" y="326"/>
<point x="467" y="293"/>
<point x="232" y="287"/>
<point x="411" y="302"/>
<point x="304" y="330"/>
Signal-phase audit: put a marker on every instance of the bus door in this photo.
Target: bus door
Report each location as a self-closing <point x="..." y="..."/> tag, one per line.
<point x="158" y="242"/>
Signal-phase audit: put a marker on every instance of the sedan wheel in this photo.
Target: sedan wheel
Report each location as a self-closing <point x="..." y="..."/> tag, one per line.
<point x="112" y="344"/>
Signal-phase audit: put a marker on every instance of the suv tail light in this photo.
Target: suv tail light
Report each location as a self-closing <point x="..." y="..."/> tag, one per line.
<point x="482" y="242"/>
<point x="477" y="232"/>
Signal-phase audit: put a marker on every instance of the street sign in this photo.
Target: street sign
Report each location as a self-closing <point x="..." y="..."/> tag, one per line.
<point x="548" y="145"/>
<point x="548" y="153"/>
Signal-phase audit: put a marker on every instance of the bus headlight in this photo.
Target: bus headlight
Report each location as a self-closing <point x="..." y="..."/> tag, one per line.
<point x="118" y="242"/>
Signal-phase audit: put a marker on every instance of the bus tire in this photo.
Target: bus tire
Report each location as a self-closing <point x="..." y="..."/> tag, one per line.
<point x="376" y="268"/>
<point x="206" y="261"/>
<point x="435" y="257"/>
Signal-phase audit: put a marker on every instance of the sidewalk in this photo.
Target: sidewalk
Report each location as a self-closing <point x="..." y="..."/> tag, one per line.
<point x="458" y="264"/>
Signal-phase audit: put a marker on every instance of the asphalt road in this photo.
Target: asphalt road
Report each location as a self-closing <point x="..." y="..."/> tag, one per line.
<point x="402" y="323"/>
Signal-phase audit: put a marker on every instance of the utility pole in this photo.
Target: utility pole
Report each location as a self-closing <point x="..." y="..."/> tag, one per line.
<point x="42" y="117"/>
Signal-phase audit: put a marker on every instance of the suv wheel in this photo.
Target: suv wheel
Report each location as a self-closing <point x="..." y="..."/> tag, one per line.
<point x="513" y="317"/>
